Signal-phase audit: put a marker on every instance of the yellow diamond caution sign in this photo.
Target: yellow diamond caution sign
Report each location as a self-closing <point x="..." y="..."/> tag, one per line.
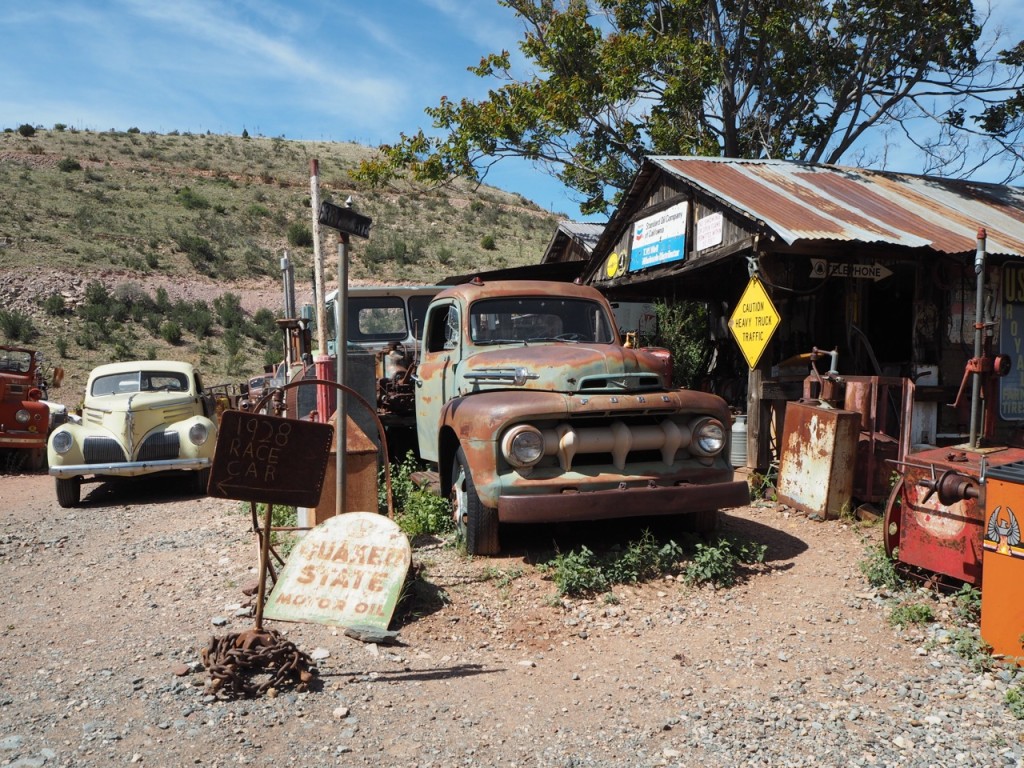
<point x="753" y="321"/>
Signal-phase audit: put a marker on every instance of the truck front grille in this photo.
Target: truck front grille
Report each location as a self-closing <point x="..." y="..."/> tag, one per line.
<point x="162" y="445"/>
<point x="102" y="450"/>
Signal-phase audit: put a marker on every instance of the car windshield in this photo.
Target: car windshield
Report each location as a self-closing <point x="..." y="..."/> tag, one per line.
<point x="139" y="381"/>
<point x="541" y="318"/>
<point x="15" y="360"/>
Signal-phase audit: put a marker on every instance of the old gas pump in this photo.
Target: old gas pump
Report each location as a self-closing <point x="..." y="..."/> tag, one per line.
<point x="937" y="514"/>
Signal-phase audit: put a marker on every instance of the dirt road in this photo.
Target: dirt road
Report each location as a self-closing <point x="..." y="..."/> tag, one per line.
<point x="106" y="609"/>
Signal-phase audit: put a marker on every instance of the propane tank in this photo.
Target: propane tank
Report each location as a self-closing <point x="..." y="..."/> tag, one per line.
<point x="738" y="444"/>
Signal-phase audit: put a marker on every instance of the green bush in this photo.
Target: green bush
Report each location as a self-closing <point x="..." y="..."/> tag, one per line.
<point x="718" y="563"/>
<point x="967" y="604"/>
<point x="299" y="235"/>
<point x="418" y="511"/>
<point x="488" y="243"/>
<point x="69" y="164"/>
<point x="170" y="332"/>
<point x="26" y="130"/>
<point x="192" y="200"/>
<point x="54" y="305"/>
<point x="16" y="325"/>
<point x="583" y="572"/>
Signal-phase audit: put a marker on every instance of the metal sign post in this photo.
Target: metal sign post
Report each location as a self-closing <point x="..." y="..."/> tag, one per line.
<point x="347" y="222"/>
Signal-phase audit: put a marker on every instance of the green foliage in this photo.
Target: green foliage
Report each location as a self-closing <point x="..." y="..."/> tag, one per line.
<point x="418" y="511"/>
<point x="794" y="80"/>
<point x="1015" y="701"/>
<point x="230" y="314"/>
<point x="69" y="164"/>
<point x="17" y="326"/>
<point x="880" y="570"/>
<point x="582" y="572"/>
<point x="300" y="235"/>
<point x="683" y="330"/>
<point x="488" y="243"/>
<point x="967" y="604"/>
<point x="61" y="343"/>
<point x="191" y="199"/>
<point x="719" y="563"/>
<point x="762" y="485"/>
<point x="200" y="252"/>
<point x="170" y="332"/>
<point x="904" y="614"/>
<point x="26" y="130"/>
<point x="969" y="646"/>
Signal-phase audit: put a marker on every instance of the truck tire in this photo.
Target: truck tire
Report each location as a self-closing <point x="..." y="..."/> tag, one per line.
<point x="202" y="480"/>
<point x="477" y="524"/>
<point x="69" y="491"/>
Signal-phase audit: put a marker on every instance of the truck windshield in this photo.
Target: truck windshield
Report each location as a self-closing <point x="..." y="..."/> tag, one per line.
<point x="15" y="360"/>
<point x="539" y="319"/>
<point x="140" y="381"/>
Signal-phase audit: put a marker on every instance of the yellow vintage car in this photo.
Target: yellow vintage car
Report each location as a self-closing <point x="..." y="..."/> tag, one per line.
<point x="138" y="418"/>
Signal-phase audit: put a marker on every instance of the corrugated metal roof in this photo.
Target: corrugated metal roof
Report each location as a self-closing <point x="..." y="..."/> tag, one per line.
<point x="804" y="201"/>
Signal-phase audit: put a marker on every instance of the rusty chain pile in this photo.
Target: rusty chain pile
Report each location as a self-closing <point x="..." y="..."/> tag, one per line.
<point x="251" y="663"/>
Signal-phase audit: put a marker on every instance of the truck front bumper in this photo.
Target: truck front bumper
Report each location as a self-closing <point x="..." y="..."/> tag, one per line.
<point x="622" y="502"/>
<point x="129" y="468"/>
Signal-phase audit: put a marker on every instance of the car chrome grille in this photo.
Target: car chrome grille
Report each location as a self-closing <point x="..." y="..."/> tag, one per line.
<point x="102" y="450"/>
<point x="162" y="445"/>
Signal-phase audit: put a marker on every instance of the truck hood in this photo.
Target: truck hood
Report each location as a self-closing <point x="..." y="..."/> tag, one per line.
<point x="564" y="367"/>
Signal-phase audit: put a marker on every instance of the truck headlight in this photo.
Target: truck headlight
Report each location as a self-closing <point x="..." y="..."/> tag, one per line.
<point x="198" y="433"/>
<point x="523" y="446"/>
<point x="708" y="437"/>
<point x="61" y="441"/>
<point x="22" y="416"/>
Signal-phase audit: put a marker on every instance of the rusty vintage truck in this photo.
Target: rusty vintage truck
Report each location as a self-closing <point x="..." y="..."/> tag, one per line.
<point x="534" y="411"/>
<point x="26" y="417"/>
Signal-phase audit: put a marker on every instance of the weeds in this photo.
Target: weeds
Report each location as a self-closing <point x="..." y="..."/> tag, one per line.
<point x="880" y="570"/>
<point x="967" y="605"/>
<point x="905" y="614"/>
<point x="418" y="511"/>
<point x="969" y="646"/>
<point x="718" y="564"/>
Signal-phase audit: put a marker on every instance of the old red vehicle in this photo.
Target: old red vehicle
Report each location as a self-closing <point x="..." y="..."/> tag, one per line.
<point x="24" y="411"/>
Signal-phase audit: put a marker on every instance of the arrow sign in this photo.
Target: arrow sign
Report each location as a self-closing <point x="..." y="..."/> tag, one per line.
<point x="821" y="268"/>
<point x="269" y="459"/>
<point x="344" y="219"/>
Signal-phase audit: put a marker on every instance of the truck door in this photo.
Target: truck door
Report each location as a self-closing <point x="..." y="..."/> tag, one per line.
<point x="435" y="374"/>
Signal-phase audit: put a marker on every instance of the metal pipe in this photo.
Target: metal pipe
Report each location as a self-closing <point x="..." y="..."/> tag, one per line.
<point x="341" y="346"/>
<point x="979" y="271"/>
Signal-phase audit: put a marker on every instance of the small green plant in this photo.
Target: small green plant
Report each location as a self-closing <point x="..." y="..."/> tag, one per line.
<point x="488" y="243"/>
<point x="718" y="563"/>
<point x="281" y="516"/>
<point x="583" y="572"/>
<point x="299" y="235"/>
<point x="170" y="332"/>
<point x="905" y="614"/>
<point x="502" y="578"/>
<point x="69" y="164"/>
<point x="54" y="305"/>
<point x="880" y="569"/>
<point x="578" y="573"/>
<point x="1015" y="701"/>
<point x="418" y="511"/>
<point x="967" y="605"/>
<point x="969" y="646"/>
<point x="192" y="200"/>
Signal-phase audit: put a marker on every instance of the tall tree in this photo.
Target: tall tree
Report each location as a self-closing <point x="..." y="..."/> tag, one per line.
<point x="615" y="80"/>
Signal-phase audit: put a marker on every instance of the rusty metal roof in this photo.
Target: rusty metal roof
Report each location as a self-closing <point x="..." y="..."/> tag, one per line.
<point x="804" y="201"/>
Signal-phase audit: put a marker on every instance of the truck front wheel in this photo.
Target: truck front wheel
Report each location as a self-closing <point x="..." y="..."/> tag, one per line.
<point x="69" y="491"/>
<point x="477" y="524"/>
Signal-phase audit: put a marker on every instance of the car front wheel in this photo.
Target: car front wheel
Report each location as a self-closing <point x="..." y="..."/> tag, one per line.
<point x="69" y="491"/>
<point x="477" y="524"/>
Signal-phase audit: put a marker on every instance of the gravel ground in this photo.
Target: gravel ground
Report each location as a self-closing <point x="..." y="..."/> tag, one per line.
<point x="106" y="609"/>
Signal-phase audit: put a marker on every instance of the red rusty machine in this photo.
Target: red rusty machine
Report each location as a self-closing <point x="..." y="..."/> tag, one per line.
<point x="936" y="515"/>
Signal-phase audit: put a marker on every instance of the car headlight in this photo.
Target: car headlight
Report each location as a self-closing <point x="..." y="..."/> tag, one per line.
<point x="523" y="446"/>
<point x="23" y="416"/>
<point x="708" y="437"/>
<point x="61" y="441"/>
<point x="198" y="433"/>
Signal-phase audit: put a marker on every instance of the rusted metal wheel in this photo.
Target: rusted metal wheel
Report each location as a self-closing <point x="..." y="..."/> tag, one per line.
<point x="892" y="522"/>
<point x="477" y="524"/>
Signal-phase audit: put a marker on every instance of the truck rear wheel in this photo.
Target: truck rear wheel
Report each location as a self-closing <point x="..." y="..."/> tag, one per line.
<point x="477" y="524"/>
<point x="69" y="491"/>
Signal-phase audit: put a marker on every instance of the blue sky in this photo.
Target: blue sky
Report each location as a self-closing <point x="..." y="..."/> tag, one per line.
<point x="322" y="70"/>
